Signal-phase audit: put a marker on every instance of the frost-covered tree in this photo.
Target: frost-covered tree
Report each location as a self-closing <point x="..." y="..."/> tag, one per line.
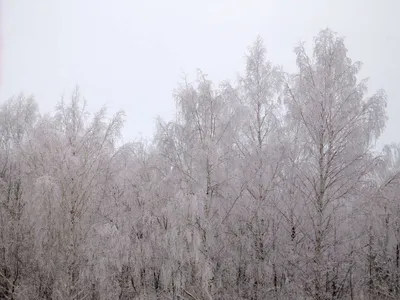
<point x="69" y="161"/>
<point x="380" y="258"/>
<point x="199" y="150"/>
<point x="336" y="126"/>
<point x="17" y="117"/>
<point x="259" y="142"/>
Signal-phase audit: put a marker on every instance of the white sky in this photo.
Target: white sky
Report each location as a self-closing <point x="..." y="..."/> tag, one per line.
<point x="131" y="54"/>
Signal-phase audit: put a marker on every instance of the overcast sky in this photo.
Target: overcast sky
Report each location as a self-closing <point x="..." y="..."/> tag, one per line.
<point x="131" y="54"/>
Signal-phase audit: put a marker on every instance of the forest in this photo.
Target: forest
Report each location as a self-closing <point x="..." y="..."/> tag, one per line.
<point x="267" y="186"/>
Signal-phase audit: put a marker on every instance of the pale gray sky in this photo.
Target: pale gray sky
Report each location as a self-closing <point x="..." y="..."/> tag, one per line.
<point x="131" y="54"/>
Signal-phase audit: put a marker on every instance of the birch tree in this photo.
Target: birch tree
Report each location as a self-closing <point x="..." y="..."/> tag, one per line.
<point x="70" y="158"/>
<point x="17" y="117"/>
<point x="260" y="146"/>
<point x="198" y="148"/>
<point x="337" y="125"/>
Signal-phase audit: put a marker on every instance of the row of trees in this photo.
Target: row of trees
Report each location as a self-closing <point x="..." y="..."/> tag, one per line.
<point x="268" y="188"/>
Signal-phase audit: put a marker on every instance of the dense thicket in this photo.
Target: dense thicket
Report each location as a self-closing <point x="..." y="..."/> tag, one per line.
<point x="268" y="188"/>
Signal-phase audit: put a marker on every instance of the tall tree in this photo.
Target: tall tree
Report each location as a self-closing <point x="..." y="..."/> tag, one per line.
<point x="260" y="147"/>
<point x="337" y="126"/>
